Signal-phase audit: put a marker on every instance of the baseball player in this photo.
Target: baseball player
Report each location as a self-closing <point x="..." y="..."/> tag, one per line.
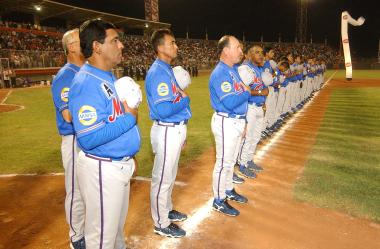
<point x="170" y="112"/>
<point x="74" y="206"/>
<point x="299" y="69"/>
<point x="270" y="66"/>
<point x="255" y="114"/>
<point x="229" y="99"/>
<point x="283" y="67"/>
<point x="108" y="135"/>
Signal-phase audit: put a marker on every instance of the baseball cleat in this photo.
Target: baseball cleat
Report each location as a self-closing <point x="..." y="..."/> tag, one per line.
<point x="225" y="208"/>
<point x="233" y="196"/>
<point x="236" y="179"/>
<point x="253" y="166"/>
<point x="174" y="215"/>
<point x="80" y="244"/>
<point x="244" y="171"/>
<point x="172" y="231"/>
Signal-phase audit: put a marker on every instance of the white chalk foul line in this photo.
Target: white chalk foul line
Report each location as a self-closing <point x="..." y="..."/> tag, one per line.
<point x="20" y="107"/>
<point x="205" y="211"/>
<point x="137" y="178"/>
<point x="6" y="96"/>
<point x="273" y="140"/>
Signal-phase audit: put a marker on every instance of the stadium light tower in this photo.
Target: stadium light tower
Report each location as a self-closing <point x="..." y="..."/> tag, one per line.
<point x="301" y="24"/>
<point x="151" y="10"/>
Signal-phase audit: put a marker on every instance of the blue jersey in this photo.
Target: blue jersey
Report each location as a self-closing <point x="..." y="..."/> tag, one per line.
<point x="94" y="105"/>
<point x="161" y="86"/>
<point x="60" y="91"/>
<point x="293" y="78"/>
<point x="257" y="84"/>
<point x="225" y="81"/>
<point x="267" y="67"/>
<point x="286" y="81"/>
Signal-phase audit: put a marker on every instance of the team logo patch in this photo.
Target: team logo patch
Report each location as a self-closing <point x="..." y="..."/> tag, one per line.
<point x="226" y="87"/>
<point x="348" y="64"/>
<point x="87" y="115"/>
<point x="107" y="90"/>
<point x="116" y="110"/>
<point x="163" y="89"/>
<point x="345" y="41"/>
<point x="65" y="94"/>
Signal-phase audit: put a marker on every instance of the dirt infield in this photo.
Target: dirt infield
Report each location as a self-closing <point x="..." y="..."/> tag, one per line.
<point x="32" y="212"/>
<point x="4" y="93"/>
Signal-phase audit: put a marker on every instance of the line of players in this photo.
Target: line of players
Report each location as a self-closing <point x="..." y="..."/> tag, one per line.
<point x="92" y="114"/>
<point x="252" y="96"/>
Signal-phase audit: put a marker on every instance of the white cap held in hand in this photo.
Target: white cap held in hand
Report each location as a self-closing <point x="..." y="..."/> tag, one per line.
<point x="267" y="78"/>
<point x="182" y="77"/>
<point x="273" y="64"/>
<point x="246" y="74"/>
<point x="127" y="89"/>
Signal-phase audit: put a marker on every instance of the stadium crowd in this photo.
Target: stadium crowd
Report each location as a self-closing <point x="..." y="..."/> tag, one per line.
<point x="26" y="46"/>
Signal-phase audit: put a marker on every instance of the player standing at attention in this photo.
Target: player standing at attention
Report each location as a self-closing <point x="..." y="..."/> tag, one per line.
<point x="74" y="206"/>
<point x="229" y="99"/>
<point x="255" y="114"/>
<point x="107" y="134"/>
<point x="170" y="111"/>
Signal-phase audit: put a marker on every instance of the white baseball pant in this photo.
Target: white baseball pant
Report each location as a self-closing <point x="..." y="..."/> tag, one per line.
<point x="228" y="134"/>
<point x="270" y="105"/>
<point x="105" y="186"/>
<point x="167" y="141"/>
<point x="74" y="206"/>
<point x="255" y="125"/>
<point x="281" y="101"/>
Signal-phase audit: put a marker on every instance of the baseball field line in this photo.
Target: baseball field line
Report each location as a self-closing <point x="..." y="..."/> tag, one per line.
<point x="137" y="178"/>
<point x="200" y="214"/>
<point x="20" y="107"/>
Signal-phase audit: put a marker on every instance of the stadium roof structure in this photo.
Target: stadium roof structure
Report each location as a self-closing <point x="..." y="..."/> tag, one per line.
<point x="46" y="9"/>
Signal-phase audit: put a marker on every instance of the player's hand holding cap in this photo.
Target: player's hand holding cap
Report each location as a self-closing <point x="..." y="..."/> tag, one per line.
<point x="282" y="79"/>
<point x="246" y="74"/>
<point x="273" y="64"/>
<point x="182" y="77"/>
<point x="267" y="78"/>
<point x="128" y="90"/>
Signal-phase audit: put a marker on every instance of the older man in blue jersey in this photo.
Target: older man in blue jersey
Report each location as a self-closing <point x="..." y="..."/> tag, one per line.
<point x="170" y="111"/>
<point x="62" y="82"/>
<point x="108" y="135"/>
<point x="229" y="99"/>
<point x="255" y="114"/>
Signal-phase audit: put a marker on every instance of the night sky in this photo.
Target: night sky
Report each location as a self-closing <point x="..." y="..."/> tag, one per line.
<point x="256" y="17"/>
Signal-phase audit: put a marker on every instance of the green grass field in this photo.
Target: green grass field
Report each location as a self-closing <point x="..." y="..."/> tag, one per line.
<point x="357" y="74"/>
<point x="343" y="169"/>
<point x="30" y="143"/>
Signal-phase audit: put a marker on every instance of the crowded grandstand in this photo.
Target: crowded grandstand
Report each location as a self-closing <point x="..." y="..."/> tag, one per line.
<point x="27" y="46"/>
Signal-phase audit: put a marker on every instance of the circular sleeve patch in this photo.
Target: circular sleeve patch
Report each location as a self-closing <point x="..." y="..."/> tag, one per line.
<point x="163" y="89"/>
<point x="226" y="87"/>
<point x="87" y="115"/>
<point x="65" y="94"/>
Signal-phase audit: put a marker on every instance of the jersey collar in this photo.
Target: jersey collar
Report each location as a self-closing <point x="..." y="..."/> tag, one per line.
<point x="96" y="71"/>
<point x="72" y="66"/>
<point x="163" y="63"/>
